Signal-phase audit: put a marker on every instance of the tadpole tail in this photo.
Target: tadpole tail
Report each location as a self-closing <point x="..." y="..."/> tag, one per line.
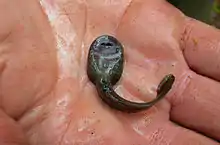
<point x="113" y="100"/>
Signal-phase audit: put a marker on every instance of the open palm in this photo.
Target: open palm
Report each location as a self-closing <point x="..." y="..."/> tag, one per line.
<point x="47" y="99"/>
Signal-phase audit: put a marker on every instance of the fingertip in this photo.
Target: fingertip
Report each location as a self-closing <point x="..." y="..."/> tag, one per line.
<point x="201" y="48"/>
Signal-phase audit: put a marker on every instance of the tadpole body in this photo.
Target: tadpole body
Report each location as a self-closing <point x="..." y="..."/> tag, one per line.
<point x="104" y="69"/>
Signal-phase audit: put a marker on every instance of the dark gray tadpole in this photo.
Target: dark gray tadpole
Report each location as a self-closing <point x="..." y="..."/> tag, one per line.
<point x="104" y="69"/>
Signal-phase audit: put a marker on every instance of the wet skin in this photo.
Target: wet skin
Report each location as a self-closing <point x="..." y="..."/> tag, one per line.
<point x="105" y="67"/>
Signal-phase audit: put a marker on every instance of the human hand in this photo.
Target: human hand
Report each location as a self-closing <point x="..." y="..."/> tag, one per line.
<point x="46" y="92"/>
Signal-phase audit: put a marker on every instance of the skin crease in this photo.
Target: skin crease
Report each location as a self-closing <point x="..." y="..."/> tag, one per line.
<point x="46" y="98"/>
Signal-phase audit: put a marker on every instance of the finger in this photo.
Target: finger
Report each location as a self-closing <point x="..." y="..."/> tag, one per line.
<point x="10" y="132"/>
<point x="182" y="136"/>
<point x="201" y="47"/>
<point x="156" y="130"/>
<point x="196" y="104"/>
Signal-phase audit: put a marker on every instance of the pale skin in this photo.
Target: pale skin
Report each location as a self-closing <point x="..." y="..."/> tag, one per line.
<point x="47" y="99"/>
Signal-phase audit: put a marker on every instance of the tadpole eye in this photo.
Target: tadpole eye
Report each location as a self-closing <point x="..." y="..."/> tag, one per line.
<point x="117" y="50"/>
